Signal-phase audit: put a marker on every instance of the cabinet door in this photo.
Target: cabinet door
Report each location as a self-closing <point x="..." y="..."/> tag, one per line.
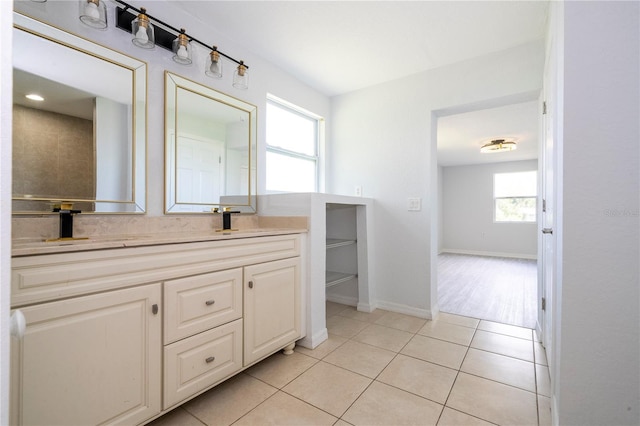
<point x="271" y="307"/>
<point x="89" y="360"/>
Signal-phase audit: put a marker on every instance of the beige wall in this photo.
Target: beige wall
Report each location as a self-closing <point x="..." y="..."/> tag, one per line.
<point x="52" y="151"/>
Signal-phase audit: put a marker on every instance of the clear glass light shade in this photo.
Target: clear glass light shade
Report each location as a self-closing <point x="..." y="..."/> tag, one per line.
<point x="213" y="67"/>
<point x="93" y="13"/>
<point x="142" y="30"/>
<point x="182" y="49"/>
<point x="241" y="77"/>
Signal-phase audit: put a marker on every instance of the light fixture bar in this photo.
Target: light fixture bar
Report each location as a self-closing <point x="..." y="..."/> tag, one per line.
<point x="163" y="37"/>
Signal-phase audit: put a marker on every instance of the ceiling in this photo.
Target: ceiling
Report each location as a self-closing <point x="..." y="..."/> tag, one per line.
<point x="460" y="136"/>
<point x="342" y="46"/>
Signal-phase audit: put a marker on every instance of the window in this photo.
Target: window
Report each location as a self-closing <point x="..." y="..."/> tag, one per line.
<point x="292" y="148"/>
<point x="515" y="196"/>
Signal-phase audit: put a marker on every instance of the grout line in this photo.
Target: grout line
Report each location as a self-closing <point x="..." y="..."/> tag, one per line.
<point x="457" y="375"/>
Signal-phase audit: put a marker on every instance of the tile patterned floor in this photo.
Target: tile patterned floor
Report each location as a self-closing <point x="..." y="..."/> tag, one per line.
<point x="386" y="368"/>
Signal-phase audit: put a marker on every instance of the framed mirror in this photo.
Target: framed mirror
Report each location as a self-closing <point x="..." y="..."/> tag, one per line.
<point x="84" y="143"/>
<point x="210" y="149"/>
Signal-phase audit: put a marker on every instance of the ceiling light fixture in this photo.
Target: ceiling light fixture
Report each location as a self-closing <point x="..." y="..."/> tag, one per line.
<point x="34" y="97"/>
<point x="93" y="13"/>
<point x="498" y="145"/>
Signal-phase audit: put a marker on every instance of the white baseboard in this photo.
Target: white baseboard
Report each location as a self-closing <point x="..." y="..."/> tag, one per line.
<point x="491" y="254"/>
<point x="365" y="307"/>
<point x="404" y="309"/>
<point x="311" y="342"/>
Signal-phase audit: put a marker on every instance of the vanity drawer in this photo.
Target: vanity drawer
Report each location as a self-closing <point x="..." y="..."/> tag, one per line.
<point x="198" y="303"/>
<point x="194" y="364"/>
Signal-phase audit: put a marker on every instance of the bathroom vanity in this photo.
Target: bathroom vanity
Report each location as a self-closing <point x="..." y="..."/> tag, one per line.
<point x="123" y="330"/>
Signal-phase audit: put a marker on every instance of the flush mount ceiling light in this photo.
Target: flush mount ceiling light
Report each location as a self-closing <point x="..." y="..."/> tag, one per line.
<point x="498" y="145"/>
<point x="34" y="97"/>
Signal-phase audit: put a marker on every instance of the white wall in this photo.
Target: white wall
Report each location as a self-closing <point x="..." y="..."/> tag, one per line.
<point x="6" y="100"/>
<point x="383" y="138"/>
<point x="263" y="76"/>
<point x="468" y="225"/>
<point x="598" y="380"/>
<point x="113" y="167"/>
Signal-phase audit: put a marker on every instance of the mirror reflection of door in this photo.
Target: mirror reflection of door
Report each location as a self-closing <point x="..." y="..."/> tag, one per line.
<point x="201" y="171"/>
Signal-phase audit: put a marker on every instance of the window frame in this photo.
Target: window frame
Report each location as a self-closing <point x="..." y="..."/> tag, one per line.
<point x="319" y="135"/>
<point x="520" y="197"/>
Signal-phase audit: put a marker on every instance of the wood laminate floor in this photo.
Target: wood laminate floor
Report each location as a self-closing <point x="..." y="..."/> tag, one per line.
<point x="491" y="288"/>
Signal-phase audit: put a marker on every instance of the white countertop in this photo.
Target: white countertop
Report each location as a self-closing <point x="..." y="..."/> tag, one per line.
<point x="30" y="246"/>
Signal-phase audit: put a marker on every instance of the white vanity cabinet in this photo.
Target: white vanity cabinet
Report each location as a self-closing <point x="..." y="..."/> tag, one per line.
<point x="89" y="360"/>
<point x="123" y="335"/>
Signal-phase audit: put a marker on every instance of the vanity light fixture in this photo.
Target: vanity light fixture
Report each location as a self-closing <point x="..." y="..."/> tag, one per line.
<point x="142" y="30"/>
<point x="241" y="77"/>
<point x="93" y="13"/>
<point x="498" y="145"/>
<point x="182" y="49"/>
<point x="177" y="41"/>
<point x="213" y="68"/>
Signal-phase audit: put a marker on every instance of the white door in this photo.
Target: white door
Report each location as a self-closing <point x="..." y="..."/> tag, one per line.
<point x="550" y="184"/>
<point x="200" y="170"/>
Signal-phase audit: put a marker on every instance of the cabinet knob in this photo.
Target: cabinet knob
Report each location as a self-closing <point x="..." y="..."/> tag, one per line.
<point x="18" y="324"/>
<point x="209" y="302"/>
<point x="210" y="359"/>
<point x="154" y="308"/>
<point x="250" y="284"/>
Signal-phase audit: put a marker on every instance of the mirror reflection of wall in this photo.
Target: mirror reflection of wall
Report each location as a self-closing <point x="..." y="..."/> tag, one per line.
<point x="52" y="152"/>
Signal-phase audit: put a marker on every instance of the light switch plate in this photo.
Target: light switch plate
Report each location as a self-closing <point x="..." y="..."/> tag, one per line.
<point x="414" y="204"/>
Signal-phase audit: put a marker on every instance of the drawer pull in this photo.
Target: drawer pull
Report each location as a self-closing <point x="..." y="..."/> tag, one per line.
<point x="154" y="309"/>
<point x="210" y="359"/>
<point x="250" y="284"/>
<point x="209" y="302"/>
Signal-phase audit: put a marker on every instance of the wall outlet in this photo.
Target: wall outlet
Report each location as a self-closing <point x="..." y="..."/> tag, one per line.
<point x="358" y="191"/>
<point x="414" y="204"/>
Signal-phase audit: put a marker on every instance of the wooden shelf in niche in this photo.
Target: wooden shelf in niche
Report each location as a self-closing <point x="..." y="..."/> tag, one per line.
<point x="334" y="278"/>
<point x="334" y="242"/>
